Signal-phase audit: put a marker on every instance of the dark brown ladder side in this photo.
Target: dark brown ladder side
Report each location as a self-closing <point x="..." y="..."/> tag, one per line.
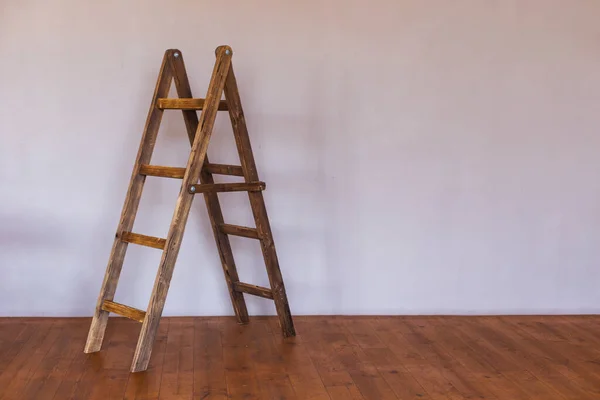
<point x="198" y="169"/>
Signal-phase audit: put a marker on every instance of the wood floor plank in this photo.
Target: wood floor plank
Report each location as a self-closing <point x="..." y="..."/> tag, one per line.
<point x="267" y="364"/>
<point x="117" y="363"/>
<point x="296" y="363"/>
<point x="464" y="380"/>
<point x="16" y="376"/>
<point x="146" y="386"/>
<point x="363" y="332"/>
<point x="322" y="338"/>
<point x="44" y="384"/>
<point x="495" y="358"/>
<point x="400" y="380"/>
<point x="491" y="382"/>
<point x="177" y="380"/>
<point x="566" y="373"/>
<point x="105" y="374"/>
<point x="247" y="353"/>
<point x="579" y="343"/>
<point x="501" y="361"/>
<point x="563" y="380"/>
<point x="242" y="383"/>
<point x="587" y="326"/>
<point x="13" y="337"/>
<point x="209" y="366"/>
<point x="365" y="376"/>
<point x="344" y="392"/>
<point x="583" y="342"/>
<point x="78" y="368"/>
<point x="397" y="337"/>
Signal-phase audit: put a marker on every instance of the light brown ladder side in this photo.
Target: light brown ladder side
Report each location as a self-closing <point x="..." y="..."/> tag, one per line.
<point x="198" y="169"/>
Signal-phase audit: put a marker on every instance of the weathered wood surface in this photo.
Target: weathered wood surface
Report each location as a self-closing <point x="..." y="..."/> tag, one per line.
<point x="237" y="230"/>
<point x="333" y="358"/>
<point x="213" y="205"/>
<point x="227" y="187"/>
<point x="162" y="172"/>
<point x="254" y="290"/>
<point x="130" y="207"/>
<point x="198" y="169"/>
<point x="123" y="310"/>
<point x="143" y="240"/>
<point x="224" y="169"/>
<point x="257" y="203"/>
<point x="196" y="160"/>
<point x="187" y="104"/>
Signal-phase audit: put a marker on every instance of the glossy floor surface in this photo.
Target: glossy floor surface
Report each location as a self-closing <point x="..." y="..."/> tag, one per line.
<point x="331" y="358"/>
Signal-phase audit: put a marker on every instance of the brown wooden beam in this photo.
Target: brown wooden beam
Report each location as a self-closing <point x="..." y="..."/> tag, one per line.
<point x="215" y="215"/>
<point x="227" y="187"/>
<point x="178" y="172"/>
<point x="143" y="240"/>
<point x="223" y="169"/>
<point x="187" y="104"/>
<point x="196" y="160"/>
<point x="237" y="230"/>
<point x="123" y="310"/>
<point x="130" y="207"/>
<point x="253" y="289"/>
<point x="257" y="202"/>
<point x="163" y="172"/>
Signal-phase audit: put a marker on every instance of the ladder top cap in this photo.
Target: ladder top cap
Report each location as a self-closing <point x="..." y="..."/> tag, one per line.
<point x="224" y="49"/>
<point x="174" y="51"/>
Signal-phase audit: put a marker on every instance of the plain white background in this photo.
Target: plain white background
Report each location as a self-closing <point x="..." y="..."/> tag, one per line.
<point x="420" y="157"/>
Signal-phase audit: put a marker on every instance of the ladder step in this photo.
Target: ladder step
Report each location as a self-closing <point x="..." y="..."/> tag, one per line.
<point x="187" y="104"/>
<point x="163" y="172"/>
<point x="237" y="230"/>
<point x="223" y="169"/>
<point x="227" y="187"/>
<point x="253" y="289"/>
<point x="178" y="172"/>
<point x="123" y="310"/>
<point x="143" y="240"/>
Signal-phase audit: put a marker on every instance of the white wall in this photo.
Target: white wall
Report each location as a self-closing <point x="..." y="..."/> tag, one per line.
<point x="420" y="157"/>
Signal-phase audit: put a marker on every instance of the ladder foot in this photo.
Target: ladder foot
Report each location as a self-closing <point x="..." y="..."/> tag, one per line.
<point x="89" y="350"/>
<point x="141" y="357"/>
<point x="291" y="333"/>
<point x="96" y="332"/>
<point x="241" y="315"/>
<point x="138" y="367"/>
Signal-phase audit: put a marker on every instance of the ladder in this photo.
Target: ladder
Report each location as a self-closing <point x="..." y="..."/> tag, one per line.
<point x="198" y="169"/>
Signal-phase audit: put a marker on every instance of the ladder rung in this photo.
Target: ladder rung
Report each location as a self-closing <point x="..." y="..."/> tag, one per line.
<point x="223" y="169"/>
<point x="237" y="230"/>
<point x="178" y="172"/>
<point x="187" y="104"/>
<point x="227" y="187"/>
<point x="163" y="172"/>
<point x="253" y="289"/>
<point x="123" y="310"/>
<point x="143" y="240"/>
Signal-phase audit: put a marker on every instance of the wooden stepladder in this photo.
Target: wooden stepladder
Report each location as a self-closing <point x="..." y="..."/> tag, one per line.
<point x="198" y="169"/>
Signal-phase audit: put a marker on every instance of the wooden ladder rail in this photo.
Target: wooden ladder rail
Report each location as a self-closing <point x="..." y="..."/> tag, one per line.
<point x="130" y="207"/>
<point x="213" y="205"/>
<point x="196" y="160"/>
<point x="257" y="203"/>
<point x="198" y="168"/>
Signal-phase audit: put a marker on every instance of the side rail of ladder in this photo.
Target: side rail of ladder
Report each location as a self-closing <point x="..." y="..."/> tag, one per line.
<point x="198" y="168"/>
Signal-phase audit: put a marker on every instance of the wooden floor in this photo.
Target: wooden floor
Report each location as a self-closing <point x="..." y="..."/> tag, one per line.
<point x="342" y="358"/>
